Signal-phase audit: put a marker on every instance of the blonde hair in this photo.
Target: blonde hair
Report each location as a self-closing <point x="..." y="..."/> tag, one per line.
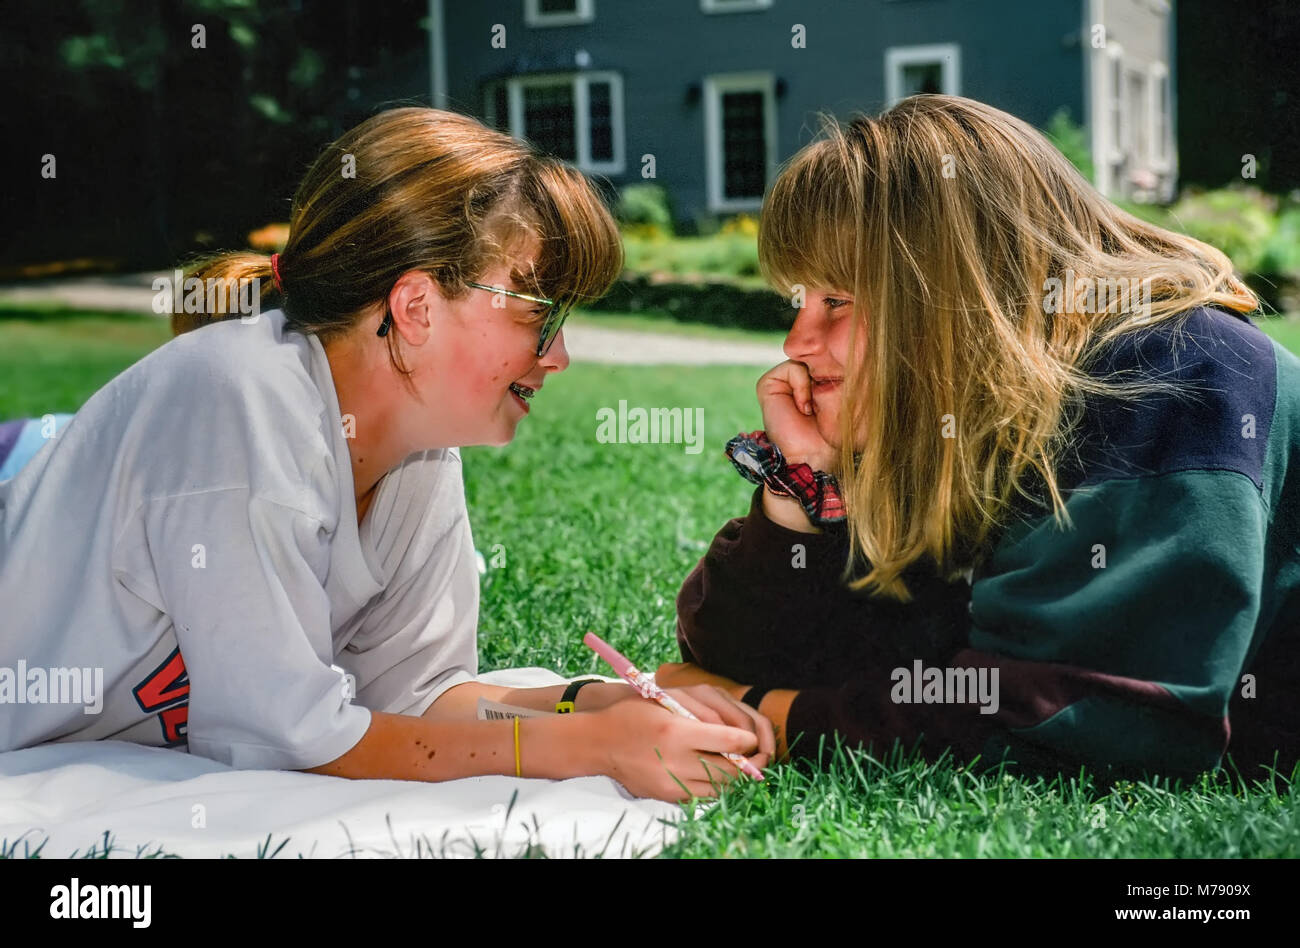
<point x="432" y="190"/>
<point x="948" y="218"/>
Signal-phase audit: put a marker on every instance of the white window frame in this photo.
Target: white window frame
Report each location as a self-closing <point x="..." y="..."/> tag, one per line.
<point x="733" y="6"/>
<point x="1160" y="158"/>
<point x="948" y="55"/>
<point x="714" y="87"/>
<point x="1116" y="103"/>
<point x="533" y="15"/>
<point x="579" y="83"/>
<point x="1129" y="141"/>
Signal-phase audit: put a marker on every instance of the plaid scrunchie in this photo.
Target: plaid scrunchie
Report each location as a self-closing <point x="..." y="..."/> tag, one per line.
<point x="761" y="462"/>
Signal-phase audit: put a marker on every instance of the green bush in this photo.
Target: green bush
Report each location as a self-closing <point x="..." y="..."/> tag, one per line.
<point x="644" y="208"/>
<point x="1072" y="140"/>
<point x="1151" y="213"/>
<point x="715" y="278"/>
<point x="732" y="254"/>
<point x="1281" y="253"/>
<point x="1239" y="221"/>
<point x="717" y="302"/>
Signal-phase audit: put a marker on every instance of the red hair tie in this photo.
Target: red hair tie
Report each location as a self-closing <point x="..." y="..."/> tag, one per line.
<point x="275" y="271"/>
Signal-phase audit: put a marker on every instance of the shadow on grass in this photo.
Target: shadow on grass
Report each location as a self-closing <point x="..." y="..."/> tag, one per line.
<point x="58" y="312"/>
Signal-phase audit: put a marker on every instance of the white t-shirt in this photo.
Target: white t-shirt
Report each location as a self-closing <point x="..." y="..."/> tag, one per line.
<point x="191" y="536"/>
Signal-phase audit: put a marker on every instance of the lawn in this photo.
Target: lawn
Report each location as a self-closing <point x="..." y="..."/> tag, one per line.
<point x="588" y="537"/>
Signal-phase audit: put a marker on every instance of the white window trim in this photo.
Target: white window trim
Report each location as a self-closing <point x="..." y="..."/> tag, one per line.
<point x="1129" y="141"/>
<point x="579" y="83"/>
<point x="733" y="6"/>
<point x="1116" y="99"/>
<point x="948" y="55"/>
<point x="1161" y="146"/>
<point x="533" y="15"/>
<point x="714" y="86"/>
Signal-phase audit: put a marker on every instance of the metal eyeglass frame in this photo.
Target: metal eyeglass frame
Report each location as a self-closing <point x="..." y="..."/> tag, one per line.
<point x="549" y="319"/>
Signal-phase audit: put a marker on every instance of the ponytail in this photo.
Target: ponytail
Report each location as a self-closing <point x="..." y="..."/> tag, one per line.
<point x="226" y="279"/>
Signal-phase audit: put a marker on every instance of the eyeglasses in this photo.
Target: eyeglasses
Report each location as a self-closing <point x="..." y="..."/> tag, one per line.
<point x="552" y="320"/>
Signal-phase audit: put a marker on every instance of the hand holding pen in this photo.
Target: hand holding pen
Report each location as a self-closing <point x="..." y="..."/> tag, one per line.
<point x="645" y="684"/>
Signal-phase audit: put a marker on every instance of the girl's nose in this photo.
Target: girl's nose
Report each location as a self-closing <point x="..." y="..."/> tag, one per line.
<point x="557" y="357"/>
<point x="806" y="336"/>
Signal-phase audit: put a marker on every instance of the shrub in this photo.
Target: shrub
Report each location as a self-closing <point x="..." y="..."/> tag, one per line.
<point x="745" y="225"/>
<point x="1072" y="140"/>
<point x="728" y="254"/>
<point x="1281" y="253"/>
<point x="1238" y="220"/>
<point x="643" y="209"/>
<point x="716" y="302"/>
<point x="1151" y="213"/>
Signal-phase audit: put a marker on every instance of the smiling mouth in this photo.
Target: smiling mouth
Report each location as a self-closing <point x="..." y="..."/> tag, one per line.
<point x="522" y="391"/>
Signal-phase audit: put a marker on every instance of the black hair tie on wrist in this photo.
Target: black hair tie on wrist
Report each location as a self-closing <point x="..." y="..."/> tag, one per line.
<point x="567" y="703"/>
<point x="754" y="696"/>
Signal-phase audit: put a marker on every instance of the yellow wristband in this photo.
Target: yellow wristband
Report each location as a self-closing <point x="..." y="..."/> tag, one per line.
<point x="517" y="772"/>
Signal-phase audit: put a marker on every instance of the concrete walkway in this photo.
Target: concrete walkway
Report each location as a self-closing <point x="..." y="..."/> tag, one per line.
<point x="134" y="293"/>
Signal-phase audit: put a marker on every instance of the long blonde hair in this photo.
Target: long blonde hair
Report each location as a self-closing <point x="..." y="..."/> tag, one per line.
<point x="427" y="189"/>
<point x="950" y="219"/>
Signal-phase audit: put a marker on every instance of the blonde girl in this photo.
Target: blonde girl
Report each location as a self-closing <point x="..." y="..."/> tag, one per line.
<point x="1068" y="466"/>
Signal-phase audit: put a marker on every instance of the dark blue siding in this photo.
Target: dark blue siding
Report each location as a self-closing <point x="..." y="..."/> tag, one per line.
<point x="1020" y="55"/>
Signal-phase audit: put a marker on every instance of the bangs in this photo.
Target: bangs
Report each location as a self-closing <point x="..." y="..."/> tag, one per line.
<point x="565" y="242"/>
<point x="807" y="231"/>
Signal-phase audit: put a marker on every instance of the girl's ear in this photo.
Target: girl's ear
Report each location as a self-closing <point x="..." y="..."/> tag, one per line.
<point x="415" y="301"/>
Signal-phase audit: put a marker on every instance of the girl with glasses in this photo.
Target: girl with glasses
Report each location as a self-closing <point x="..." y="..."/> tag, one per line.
<point x="267" y="515"/>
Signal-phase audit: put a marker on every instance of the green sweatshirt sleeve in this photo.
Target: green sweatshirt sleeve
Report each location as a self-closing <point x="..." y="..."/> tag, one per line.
<point x="1158" y="585"/>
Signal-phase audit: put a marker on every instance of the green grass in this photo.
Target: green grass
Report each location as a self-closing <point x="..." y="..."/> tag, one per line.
<point x="599" y="537"/>
<point x="52" y="359"/>
<point x="1285" y="329"/>
<point x="590" y="537"/>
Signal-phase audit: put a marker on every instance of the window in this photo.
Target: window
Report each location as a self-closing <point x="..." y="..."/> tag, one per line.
<point x="1116" y="121"/>
<point x="575" y="116"/>
<point x="740" y="139"/>
<point x="1138" y="125"/>
<point x="1161" y="112"/>
<point x="913" y="70"/>
<point x="600" y="116"/>
<point x="558" y="12"/>
<point x="549" y="118"/>
<point x="733" y="6"/>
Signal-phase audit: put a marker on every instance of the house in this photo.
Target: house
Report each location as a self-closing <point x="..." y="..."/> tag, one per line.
<point x="708" y="97"/>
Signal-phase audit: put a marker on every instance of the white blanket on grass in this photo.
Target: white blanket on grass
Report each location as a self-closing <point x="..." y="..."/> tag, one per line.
<point x="63" y="798"/>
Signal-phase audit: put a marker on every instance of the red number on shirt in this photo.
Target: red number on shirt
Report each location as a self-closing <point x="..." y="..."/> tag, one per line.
<point x="174" y="722"/>
<point x="167" y="690"/>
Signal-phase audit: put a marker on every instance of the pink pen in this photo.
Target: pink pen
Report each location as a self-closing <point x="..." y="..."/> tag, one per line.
<point x="646" y="685"/>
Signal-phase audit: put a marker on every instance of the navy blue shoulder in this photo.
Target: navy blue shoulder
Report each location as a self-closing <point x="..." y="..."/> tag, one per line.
<point x="1225" y="365"/>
